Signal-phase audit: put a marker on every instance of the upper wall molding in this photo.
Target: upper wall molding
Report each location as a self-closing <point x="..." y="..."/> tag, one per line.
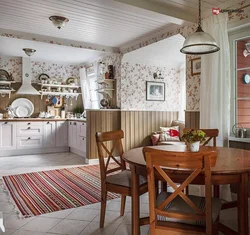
<point x="56" y="41"/>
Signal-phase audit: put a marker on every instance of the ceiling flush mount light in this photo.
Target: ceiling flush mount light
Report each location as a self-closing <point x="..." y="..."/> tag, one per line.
<point x="199" y="43"/>
<point x="29" y="51"/>
<point x="58" y="21"/>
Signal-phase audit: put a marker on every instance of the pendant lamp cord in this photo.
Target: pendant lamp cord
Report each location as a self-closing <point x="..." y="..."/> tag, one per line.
<point x="199" y="29"/>
<point x="199" y="20"/>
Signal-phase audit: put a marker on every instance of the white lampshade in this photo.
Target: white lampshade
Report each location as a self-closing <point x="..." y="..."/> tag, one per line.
<point x="199" y="43"/>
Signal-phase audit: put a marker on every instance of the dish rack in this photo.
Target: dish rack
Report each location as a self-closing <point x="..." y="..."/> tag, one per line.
<point x="5" y="88"/>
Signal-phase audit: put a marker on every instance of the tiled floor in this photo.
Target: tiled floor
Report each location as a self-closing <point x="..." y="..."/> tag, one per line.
<point x="77" y="221"/>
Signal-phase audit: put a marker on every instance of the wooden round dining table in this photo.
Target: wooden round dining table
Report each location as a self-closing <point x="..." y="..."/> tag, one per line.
<point x="232" y="167"/>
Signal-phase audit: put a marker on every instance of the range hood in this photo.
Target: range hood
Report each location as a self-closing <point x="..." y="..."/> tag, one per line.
<point x="26" y="87"/>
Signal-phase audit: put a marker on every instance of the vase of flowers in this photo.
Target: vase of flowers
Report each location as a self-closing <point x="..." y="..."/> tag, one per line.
<point x="193" y="138"/>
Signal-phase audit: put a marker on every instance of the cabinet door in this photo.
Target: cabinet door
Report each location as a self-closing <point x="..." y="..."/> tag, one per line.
<point x="61" y="134"/>
<point x="82" y="143"/>
<point x="70" y="133"/>
<point x="7" y="135"/>
<point x="74" y="135"/>
<point x="81" y="129"/>
<point x="49" y="136"/>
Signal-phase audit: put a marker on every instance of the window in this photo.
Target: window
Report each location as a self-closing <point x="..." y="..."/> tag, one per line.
<point x="240" y="92"/>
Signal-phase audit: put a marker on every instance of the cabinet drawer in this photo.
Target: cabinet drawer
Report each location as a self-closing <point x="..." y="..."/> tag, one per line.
<point x="29" y="142"/>
<point x="29" y="130"/>
<point x="82" y="143"/>
<point x="81" y="128"/>
<point x="29" y="123"/>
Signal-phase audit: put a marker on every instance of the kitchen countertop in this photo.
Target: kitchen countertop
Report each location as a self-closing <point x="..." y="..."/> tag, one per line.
<point x="246" y="140"/>
<point x="41" y="119"/>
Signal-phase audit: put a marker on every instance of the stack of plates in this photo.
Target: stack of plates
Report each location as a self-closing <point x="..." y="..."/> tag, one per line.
<point x="22" y="107"/>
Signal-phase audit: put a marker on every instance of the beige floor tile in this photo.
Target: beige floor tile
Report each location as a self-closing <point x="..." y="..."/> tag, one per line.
<point x="59" y="214"/>
<point x="82" y="213"/>
<point x="27" y="232"/>
<point x="70" y="227"/>
<point x="7" y="231"/>
<point x="93" y="229"/>
<point x="111" y="217"/>
<point x="41" y="224"/>
<point x="13" y="222"/>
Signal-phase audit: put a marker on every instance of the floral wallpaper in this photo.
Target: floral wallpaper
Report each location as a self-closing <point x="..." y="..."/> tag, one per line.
<point x="13" y="65"/>
<point x="133" y="87"/>
<point x="61" y="72"/>
<point x="58" y="71"/>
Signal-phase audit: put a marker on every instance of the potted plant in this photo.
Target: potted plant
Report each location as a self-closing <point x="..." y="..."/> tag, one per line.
<point x="193" y="138"/>
<point x="78" y="111"/>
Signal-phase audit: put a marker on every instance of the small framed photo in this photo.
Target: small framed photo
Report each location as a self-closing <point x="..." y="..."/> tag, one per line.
<point x="196" y="66"/>
<point x="155" y="91"/>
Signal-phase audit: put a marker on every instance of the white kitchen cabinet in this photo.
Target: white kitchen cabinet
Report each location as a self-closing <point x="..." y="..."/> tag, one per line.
<point x="82" y="143"/>
<point x="81" y="127"/>
<point x="29" y="142"/>
<point x="7" y="135"/>
<point x="70" y="133"/>
<point x="61" y="133"/>
<point x="29" y="130"/>
<point x="49" y="134"/>
<point x="74" y="135"/>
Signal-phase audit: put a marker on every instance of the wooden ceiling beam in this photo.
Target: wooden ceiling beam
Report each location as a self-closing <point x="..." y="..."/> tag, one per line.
<point x="176" y="15"/>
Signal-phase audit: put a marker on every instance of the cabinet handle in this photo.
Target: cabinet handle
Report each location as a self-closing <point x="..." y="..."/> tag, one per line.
<point x="83" y="138"/>
<point x="28" y="128"/>
<point x="5" y="122"/>
<point x="83" y="124"/>
<point x="28" y="138"/>
<point x="28" y="123"/>
<point x="74" y="123"/>
<point x="70" y="123"/>
<point x="47" y="122"/>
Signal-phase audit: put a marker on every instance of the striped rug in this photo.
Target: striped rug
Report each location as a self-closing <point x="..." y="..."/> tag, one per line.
<point x="48" y="191"/>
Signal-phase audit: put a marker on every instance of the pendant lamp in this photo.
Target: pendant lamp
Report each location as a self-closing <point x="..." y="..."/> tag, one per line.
<point x="199" y="43"/>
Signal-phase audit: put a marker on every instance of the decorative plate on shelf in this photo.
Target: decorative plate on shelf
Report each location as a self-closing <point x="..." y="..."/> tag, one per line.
<point x="70" y="81"/>
<point x="43" y="76"/>
<point x="4" y="75"/>
<point x="22" y="107"/>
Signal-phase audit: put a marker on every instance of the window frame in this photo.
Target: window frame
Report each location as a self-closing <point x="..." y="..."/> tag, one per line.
<point x="233" y="37"/>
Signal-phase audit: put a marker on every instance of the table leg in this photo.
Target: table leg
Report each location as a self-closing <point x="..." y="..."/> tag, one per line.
<point x="243" y="205"/>
<point x="135" y="202"/>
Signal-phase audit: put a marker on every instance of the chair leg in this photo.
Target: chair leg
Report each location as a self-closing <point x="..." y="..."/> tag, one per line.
<point x="103" y="208"/>
<point x="123" y="202"/>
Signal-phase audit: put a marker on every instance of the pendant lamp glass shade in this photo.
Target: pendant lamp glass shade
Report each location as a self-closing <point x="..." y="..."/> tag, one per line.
<point x="199" y="43"/>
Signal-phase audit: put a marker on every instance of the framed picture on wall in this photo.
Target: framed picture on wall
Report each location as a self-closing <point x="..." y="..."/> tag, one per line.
<point x="196" y="66"/>
<point x="155" y="91"/>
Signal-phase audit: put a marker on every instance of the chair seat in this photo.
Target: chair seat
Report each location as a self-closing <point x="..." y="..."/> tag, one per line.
<point x="123" y="178"/>
<point x="179" y="205"/>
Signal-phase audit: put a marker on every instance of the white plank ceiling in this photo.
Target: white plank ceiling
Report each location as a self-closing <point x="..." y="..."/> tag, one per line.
<point x="103" y="22"/>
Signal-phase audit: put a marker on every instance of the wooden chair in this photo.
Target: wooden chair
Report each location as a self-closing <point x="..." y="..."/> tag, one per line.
<point x="120" y="182"/>
<point x="211" y="134"/>
<point x="178" y="213"/>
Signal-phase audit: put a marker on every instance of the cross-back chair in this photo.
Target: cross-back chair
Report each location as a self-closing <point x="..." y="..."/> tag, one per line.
<point x="211" y="135"/>
<point x="178" y="212"/>
<point x="116" y="179"/>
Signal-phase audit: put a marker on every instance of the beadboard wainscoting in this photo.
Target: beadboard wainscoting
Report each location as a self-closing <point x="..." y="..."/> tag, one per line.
<point x="192" y="119"/>
<point x="99" y="121"/>
<point x="139" y="125"/>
